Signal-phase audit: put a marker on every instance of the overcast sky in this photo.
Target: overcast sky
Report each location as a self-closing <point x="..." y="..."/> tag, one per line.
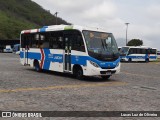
<point x="111" y="15"/>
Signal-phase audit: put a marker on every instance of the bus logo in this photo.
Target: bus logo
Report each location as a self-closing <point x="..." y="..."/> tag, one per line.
<point x="58" y="57"/>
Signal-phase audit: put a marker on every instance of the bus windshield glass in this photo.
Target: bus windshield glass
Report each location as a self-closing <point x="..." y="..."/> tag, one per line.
<point x="124" y="51"/>
<point x="101" y="46"/>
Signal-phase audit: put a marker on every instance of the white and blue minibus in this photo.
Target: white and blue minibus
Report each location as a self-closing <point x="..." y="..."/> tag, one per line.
<point x="138" y="53"/>
<point x="78" y="50"/>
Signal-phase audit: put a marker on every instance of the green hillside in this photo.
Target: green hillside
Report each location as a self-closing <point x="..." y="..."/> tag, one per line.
<point x="17" y="15"/>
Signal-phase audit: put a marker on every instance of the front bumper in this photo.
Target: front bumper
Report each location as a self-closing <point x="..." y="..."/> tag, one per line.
<point x="90" y="70"/>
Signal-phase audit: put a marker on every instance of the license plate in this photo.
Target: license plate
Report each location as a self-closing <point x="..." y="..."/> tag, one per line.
<point x="108" y="73"/>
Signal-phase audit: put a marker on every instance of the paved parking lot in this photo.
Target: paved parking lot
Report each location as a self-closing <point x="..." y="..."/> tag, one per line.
<point x="136" y="88"/>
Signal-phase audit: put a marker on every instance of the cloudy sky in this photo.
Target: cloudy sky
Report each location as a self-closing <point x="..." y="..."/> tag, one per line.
<point x="111" y="15"/>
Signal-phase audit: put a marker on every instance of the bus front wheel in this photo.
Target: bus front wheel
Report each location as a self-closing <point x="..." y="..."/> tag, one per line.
<point x="78" y="72"/>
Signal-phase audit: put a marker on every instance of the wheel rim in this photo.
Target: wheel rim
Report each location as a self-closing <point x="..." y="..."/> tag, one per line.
<point x="37" y="67"/>
<point x="79" y="73"/>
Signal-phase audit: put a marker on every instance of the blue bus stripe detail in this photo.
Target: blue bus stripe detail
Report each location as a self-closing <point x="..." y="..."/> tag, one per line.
<point x="140" y="57"/>
<point x="43" y="30"/>
<point x="21" y="54"/>
<point x="47" y="62"/>
<point x="81" y="60"/>
<point x="153" y="57"/>
<point x="31" y="55"/>
<point x="34" y="56"/>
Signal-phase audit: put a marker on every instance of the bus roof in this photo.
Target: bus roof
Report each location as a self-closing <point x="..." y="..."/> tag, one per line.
<point x="61" y="27"/>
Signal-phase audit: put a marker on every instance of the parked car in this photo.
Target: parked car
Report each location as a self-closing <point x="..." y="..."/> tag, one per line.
<point x="7" y="49"/>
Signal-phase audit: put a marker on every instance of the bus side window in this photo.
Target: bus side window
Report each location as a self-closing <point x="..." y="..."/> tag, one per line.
<point x="35" y="41"/>
<point x="56" y="40"/>
<point x="42" y="40"/>
<point x="130" y="51"/>
<point x="77" y="42"/>
<point x="153" y="51"/>
<point x="139" y="51"/>
<point x="60" y="42"/>
<point x="22" y="41"/>
<point x="26" y="40"/>
<point x="80" y="43"/>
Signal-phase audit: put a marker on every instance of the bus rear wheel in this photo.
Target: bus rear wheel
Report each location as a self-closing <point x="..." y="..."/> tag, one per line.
<point x="147" y="60"/>
<point x="37" y="66"/>
<point x="129" y="60"/>
<point x="105" y="77"/>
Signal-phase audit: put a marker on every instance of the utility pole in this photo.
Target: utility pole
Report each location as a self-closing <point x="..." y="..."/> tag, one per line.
<point x="126" y="32"/>
<point x="56" y="16"/>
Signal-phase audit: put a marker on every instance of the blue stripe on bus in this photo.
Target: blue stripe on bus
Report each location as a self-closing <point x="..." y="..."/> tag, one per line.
<point x="34" y="56"/>
<point x="135" y="57"/>
<point x="47" y="61"/>
<point x="139" y="57"/>
<point x="31" y="55"/>
<point x="43" y="30"/>
<point x="21" y="54"/>
<point x="81" y="60"/>
<point x="153" y="57"/>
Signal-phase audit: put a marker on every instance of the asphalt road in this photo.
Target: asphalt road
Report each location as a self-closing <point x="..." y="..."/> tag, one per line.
<point x="136" y="88"/>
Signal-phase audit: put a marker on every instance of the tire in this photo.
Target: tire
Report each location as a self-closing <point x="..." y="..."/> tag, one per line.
<point x="106" y="77"/>
<point x="78" y="73"/>
<point x="129" y="60"/>
<point x="37" y="67"/>
<point x="147" y="60"/>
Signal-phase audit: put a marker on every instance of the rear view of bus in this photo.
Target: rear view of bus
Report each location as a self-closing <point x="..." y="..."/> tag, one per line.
<point x="77" y="50"/>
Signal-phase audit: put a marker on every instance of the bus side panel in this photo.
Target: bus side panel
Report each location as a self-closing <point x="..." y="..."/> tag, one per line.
<point x="152" y="57"/>
<point x="136" y="57"/>
<point x="50" y="59"/>
<point x="33" y="54"/>
<point x="54" y="57"/>
<point x="78" y="58"/>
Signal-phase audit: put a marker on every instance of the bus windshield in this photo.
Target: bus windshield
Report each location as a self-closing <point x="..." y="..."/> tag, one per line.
<point x="124" y="51"/>
<point x="101" y="46"/>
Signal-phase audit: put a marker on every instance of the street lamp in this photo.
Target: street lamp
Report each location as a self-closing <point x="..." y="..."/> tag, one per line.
<point x="56" y="17"/>
<point x="126" y="32"/>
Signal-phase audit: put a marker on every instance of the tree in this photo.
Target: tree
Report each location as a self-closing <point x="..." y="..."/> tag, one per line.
<point x="135" y="42"/>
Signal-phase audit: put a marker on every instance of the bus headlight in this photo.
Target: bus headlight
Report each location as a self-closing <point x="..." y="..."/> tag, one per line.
<point x="117" y="64"/>
<point x="94" y="64"/>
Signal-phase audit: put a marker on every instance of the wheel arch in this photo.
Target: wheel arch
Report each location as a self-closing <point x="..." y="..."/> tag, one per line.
<point x="35" y="61"/>
<point x="76" y="66"/>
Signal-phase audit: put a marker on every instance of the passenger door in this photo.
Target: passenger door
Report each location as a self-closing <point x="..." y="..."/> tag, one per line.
<point x="25" y="48"/>
<point x="67" y="51"/>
